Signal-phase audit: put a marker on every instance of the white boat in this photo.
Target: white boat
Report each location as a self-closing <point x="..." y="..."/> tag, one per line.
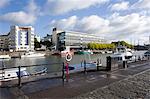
<point x="32" y="54"/>
<point x="147" y="53"/>
<point x="10" y="74"/>
<point x="124" y="51"/>
<point x="118" y="57"/>
<point x="80" y="67"/>
<point x="5" y="57"/>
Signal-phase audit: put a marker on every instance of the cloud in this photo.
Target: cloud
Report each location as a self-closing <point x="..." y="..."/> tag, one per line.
<point x="18" y="18"/>
<point x="63" y="6"/>
<point x="22" y="17"/>
<point x="3" y="3"/>
<point x="142" y="4"/>
<point x="65" y="23"/>
<point x="120" y="6"/>
<point x="115" y="27"/>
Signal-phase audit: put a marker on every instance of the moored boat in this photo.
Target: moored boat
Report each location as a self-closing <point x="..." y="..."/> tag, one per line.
<point x="80" y="52"/>
<point x="32" y="54"/>
<point x="147" y="53"/>
<point x="80" y="67"/>
<point x="123" y="50"/>
<point x="12" y="73"/>
<point x="5" y="57"/>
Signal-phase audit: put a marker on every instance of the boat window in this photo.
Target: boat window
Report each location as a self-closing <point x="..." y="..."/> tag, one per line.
<point x="8" y="74"/>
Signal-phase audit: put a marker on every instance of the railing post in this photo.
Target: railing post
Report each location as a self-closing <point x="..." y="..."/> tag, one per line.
<point x="3" y="72"/>
<point x="63" y="72"/>
<point x="97" y="64"/>
<point x="85" y="67"/>
<point x="135" y="58"/>
<point x="81" y="63"/>
<point x="19" y="76"/>
<point x="125" y="64"/>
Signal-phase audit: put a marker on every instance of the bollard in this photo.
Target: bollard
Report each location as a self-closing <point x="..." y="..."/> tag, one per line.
<point x="19" y="76"/>
<point x="63" y="72"/>
<point x="109" y="63"/>
<point x="85" y="67"/>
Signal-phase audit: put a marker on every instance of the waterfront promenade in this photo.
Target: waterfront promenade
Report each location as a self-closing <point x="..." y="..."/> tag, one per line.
<point x="133" y="82"/>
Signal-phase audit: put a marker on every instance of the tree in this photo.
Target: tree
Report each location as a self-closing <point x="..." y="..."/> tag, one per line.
<point x="46" y="43"/>
<point x="123" y="43"/>
<point x="36" y="43"/>
<point x="98" y="46"/>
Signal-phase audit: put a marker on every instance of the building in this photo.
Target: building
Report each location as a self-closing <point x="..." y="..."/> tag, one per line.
<point x="4" y="42"/>
<point x="47" y="38"/>
<point x="61" y="39"/>
<point x="21" y="38"/>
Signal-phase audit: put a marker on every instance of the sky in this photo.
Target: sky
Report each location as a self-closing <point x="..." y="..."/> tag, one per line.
<point x="114" y="20"/>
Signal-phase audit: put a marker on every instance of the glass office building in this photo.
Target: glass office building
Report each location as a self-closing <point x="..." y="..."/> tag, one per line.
<point x="74" y="39"/>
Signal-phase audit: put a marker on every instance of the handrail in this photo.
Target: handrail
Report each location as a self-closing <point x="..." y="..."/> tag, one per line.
<point x="29" y="65"/>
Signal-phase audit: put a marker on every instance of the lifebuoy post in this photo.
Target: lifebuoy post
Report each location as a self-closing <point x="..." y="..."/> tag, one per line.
<point x="68" y="59"/>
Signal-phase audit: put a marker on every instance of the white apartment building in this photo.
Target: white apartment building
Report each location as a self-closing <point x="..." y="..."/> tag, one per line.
<point x="21" y="38"/>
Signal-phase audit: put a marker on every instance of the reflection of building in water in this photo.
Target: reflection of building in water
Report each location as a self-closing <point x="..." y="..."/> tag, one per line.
<point x="61" y="39"/>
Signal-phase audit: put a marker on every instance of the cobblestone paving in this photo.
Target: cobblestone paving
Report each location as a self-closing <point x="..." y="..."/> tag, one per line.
<point x="134" y="87"/>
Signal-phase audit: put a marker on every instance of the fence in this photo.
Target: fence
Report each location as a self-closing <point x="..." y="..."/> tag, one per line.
<point x="19" y="75"/>
<point x="13" y="76"/>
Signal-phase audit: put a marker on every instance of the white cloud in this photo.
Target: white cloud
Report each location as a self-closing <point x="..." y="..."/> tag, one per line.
<point x="142" y="4"/>
<point x="114" y="27"/>
<point x="18" y="18"/>
<point x="65" y="23"/>
<point x="3" y="3"/>
<point x="22" y="17"/>
<point x="64" y="6"/>
<point x="120" y="6"/>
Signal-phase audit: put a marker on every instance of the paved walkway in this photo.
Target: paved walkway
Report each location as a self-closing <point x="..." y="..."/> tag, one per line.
<point x="133" y="82"/>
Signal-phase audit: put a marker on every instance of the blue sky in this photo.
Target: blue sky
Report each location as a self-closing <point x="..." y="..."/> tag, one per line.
<point x="112" y="19"/>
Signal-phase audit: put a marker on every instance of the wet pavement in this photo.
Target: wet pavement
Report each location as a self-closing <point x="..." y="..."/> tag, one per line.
<point x="86" y="85"/>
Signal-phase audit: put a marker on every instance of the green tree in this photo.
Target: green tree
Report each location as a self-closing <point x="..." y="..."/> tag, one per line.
<point x="36" y="43"/>
<point x="47" y="43"/>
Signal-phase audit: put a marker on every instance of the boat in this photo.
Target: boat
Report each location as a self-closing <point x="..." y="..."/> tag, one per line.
<point x="80" y="67"/>
<point x="5" y="57"/>
<point x="147" y="53"/>
<point x="12" y="73"/>
<point x="109" y="52"/>
<point x="80" y="52"/>
<point x="124" y="51"/>
<point x="32" y="54"/>
<point x="118" y="57"/>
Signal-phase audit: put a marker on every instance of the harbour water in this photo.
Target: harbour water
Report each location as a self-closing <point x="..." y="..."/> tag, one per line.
<point x="14" y="62"/>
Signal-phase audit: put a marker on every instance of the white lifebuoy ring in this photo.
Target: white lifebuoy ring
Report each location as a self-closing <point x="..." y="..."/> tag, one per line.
<point x="68" y="57"/>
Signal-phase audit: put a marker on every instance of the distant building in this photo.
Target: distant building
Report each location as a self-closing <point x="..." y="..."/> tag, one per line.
<point x="21" y="38"/>
<point x="61" y="39"/>
<point x="47" y="38"/>
<point x="38" y="38"/>
<point x="4" y="42"/>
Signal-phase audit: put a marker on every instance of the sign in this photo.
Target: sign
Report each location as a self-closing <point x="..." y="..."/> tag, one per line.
<point x="68" y="57"/>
